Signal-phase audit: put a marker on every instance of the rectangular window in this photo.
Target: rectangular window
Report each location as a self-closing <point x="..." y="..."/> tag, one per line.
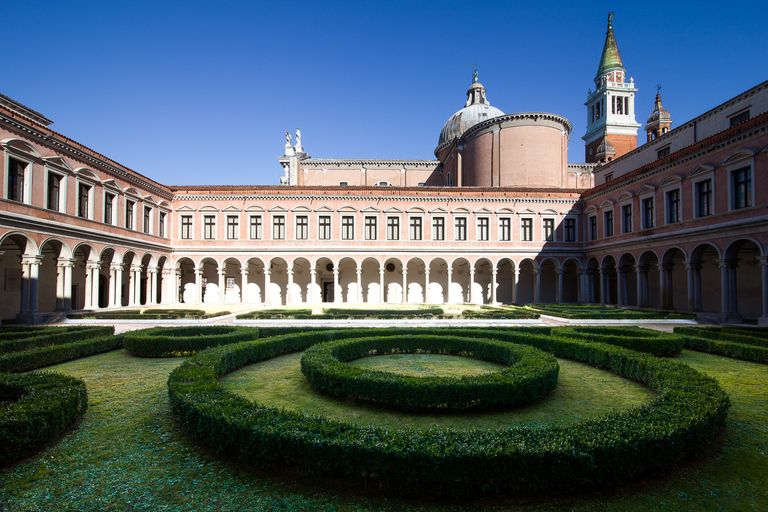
<point x="673" y="206"/>
<point x="483" y="225"/>
<point x="505" y="229"/>
<point x="278" y="227"/>
<point x="593" y="228"/>
<point x="742" y="188"/>
<point x="16" y="180"/>
<point x="415" y="228"/>
<point x="233" y="227"/>
<point x="83" y="193"/>
<point x="626" y="218"/>
<point x="662" y="152"/>
<point x="648" y="213"/>
<point x="393" y="228"/>
<point x="254" y="227"/>
<point x="209" y="227"/>
<point x="526" y="230"/>
<point x="147" y="219"/>
<point x="740" y="118"/>
<point x="549" y="230"/>
<point x="129" y="207"/>
<point x="347" y="227"/>
<point x="370" y="228"/>
<point x="186" y="227"/>
<point x="438" y="228"/>
<point x="302" y="227"/>
<point x="569" y="230"/>
<point x="460" y="228"/>
<point x="324" y="228"/>
<point x="161" y="225"/>
<point x="608" y="219"/>
<point x="54" y="191"/>
<point x="109" y="206"/>
<point x="704" y="198"/>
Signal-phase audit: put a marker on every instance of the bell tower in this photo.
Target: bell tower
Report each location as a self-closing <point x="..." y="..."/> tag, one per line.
<point x="611" y="107"/>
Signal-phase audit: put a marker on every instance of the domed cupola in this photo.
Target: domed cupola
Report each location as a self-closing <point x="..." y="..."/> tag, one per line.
<point x="605" y="151"/>
<point x="660" y="120"/>
<point x="476" y="110"/>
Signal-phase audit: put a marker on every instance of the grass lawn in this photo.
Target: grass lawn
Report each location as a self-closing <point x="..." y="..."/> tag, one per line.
<point x="128" y="454"/>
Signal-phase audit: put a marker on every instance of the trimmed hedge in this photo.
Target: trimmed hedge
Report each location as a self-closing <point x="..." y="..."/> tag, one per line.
<point x="709" y="340"/>
<point x="680" y="422"/>
<point x="17" y="333"/>
<point x="509" y="314"/>
<point x="581" y="312"/>
<point x="54" y="336"/>
<point x="724" y="334"/>
<point x="530" y="374"/>
<point x="174" y="341"/>
<point x="346" y="312"/>
<point x="40" y="407"/>
<point x="147" y="314"/>
<point x="46" y="356"/>
<point x="634" y="338"/>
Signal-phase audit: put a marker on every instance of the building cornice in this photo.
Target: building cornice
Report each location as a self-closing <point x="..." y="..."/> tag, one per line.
<point x="368" y="162"/>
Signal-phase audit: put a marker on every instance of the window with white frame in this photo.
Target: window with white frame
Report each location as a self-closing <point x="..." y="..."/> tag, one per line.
<point x="233" y="227"/>
<point x="161" y="224"/>
<point x="483" y="229"/>
<point x="438" y="228"/>
<point x="110" y="208"/>
<point x="626" y="218"/>
<point x="55" y="199"/>
<point x="647" y="205"/>
<point x="130" y="210"/>
<point x="505" y="229"/>
<point x="370" y="227"/>
<point x="19" y="177"/>
<point x="704" y="197"/>
<point x="526" y="230"/>
<point x="548" y="227"/>
<point x="147" y="224"/>
<point x="186" y="227"/>
<point x="393" y="228"/>
<point x="209" y="227"/>
<point x="608" y="223"/>
<point x="460" y="229"/>
<point x="347" y="227"/>
<point x="673" y="205"/>
<point x="414" y="228"/>
<point x="593" y="227"/>
<point x="84" y="200"/>
<point x="741" y="188"/>
<point x="278" y="227"/>
<point x="302" y="227"/>
<point x="569" y="229"/>
<point x="324" y="227"/>
<point x="255" y="227"/>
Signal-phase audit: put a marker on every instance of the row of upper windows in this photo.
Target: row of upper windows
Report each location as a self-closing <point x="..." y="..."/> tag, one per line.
<point x="136" y="215"/>
<point x="392" y="227"/>
<point x="741" y="195"/>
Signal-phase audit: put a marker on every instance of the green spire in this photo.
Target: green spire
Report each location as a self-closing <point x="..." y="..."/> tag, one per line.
<point x="610" y="58"/>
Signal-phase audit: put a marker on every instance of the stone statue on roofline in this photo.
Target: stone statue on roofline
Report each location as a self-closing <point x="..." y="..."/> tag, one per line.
<point x="287" y="138"/>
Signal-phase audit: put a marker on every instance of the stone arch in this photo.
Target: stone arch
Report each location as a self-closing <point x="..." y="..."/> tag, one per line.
<point x="232" y="282"/>
<point x="416" y="280"/>
<point x="609" y="280"/>
<point x="460" y="281"/>
<point x="571" y="282"/>
<point x="547" y="281"/>
<point x="437" y="291"/>
<point x="253" y="291"/>
<point x="704" y="259"/>
<point x="189" y="287"/>
<point x="505" y="281"/>
<point x="208" y="268"/>
<point x="627" y="280"/>
<point x="302" y="281"/>
<point x="649" y="280"/>
<point x="372" y="290"/>
<point x="53" y="253"/>
<point x="393" y="281"/>
<point x="742" y="259"/>
<point x="347" y="280"/>
<point x="526" y="285"/>
<point x="482" y="281"/>
<point x="593" y="281"/>
<point x="325" y="288"/>
<point x="277" y="273"/>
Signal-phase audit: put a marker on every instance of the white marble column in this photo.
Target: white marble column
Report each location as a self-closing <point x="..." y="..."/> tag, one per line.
<point x="725" y="288"/>
<point x="289" y="290"/>
<point x="493" y="286"/>
<point x="426" y="284"/>
<point x="199" y="284"/>
<point x="516" y="285"/>
<point x="64" y="284"/>
<point x="314" y="287"/>
<point x="222" y="272"/>
<point x="470" y="298"/>
<point x="449" y="271"/>
<point x="243" y="283"/>
<point x="536" y="285"/>
<point x="763" y="320"/>
<point x="381" y="285"/>
<point x="34" y="278"/>
<point x="119" y="284"/>
<point x="267" y="283"/>
<point x="152" y="274"/>
<point x="336" y="286"/>
<point x="559" y="297"/>
<point x="359" y="272"/>
<point x="405" y="286"/>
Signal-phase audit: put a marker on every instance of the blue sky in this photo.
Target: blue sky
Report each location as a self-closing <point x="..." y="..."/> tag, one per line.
<point x="202" y="93"/>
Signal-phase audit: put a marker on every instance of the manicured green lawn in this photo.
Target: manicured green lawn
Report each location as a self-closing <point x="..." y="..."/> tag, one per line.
<point x="582" y="392"/>
<point x="128" y="454"/>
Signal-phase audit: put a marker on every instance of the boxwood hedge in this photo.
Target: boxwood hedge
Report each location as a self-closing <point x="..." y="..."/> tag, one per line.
<point x="53" y="336"/>
<point x="175" y="341"/>
<point x="680" y="422"/>
<point x="35" y="408"/>
<point x="529" y="373"/>
<point x="634" y="338"/>
<point x="727" y="343"/>
<point x="46" y="356"/>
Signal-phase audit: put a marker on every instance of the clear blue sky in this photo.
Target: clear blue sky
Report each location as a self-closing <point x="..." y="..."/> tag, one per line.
<point x="202" y="92"/>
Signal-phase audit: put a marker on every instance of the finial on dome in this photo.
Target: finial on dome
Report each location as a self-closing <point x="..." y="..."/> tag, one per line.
<point x="610" y="58"/>
<point x="610" y="18"/>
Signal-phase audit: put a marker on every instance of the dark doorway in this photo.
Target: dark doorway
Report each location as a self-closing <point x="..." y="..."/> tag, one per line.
<point x="327" y="291"/>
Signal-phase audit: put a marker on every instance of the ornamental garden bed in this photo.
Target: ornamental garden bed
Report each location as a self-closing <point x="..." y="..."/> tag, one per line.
<point x="746" y="343"/>
<point x="600" y="312"/>
<point x="680" y="422"/>
<point x="148" y="314"/>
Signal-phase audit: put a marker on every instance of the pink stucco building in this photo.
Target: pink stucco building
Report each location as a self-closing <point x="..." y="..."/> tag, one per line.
<point x="680" y="222"/>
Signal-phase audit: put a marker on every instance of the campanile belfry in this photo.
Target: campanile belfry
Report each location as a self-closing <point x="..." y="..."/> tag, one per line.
<point x="611" y="106"/>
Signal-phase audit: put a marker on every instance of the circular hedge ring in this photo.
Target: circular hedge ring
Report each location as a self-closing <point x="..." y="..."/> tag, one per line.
<point x="172" y="341"/>
<point x="38" y="408"/>
<point x="529" y="373"/>
<point x="682" y="421"/>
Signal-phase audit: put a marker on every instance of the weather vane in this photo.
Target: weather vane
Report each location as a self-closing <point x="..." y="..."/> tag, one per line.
<point x="610" y="17"/>
<point x="658" y="88"/>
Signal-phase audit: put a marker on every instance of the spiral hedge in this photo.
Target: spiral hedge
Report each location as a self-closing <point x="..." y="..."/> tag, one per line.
<point x="35" y="408"/>
<point x="680" y="422"/>
<point x="528" y="376"/>
<point x="176" y="341"/>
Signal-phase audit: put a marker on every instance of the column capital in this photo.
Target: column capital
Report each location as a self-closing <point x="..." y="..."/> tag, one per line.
<point x="93" y="264"/>
<point x="28" y="259"/>
<point x="65" y="262"/>
<point x="289" y="271"/>
<point x="138" y="268"/>
<point x="692" y="264"/>
<point x="359" y="271"/>
<point x="198" y="271"/>
<point x="537" y="271"/>
<point x="642" y="268"/>
<point x="381" y="271"/>
<point x="449" y="271"/>
<point x="243" y="271"/>
<point x="426" y="271"/>
<point x="559" y="271"/>
<point x="726" y="263"/>
<point x="494" y="271"/>
<point x="405" y="271"/>
<point x="313" y="271"/>
<point x="762" y="260"/>
<point x="152" y="270"/>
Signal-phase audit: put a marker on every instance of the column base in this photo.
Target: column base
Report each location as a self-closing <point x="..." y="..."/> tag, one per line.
<point x="762" y="321"/>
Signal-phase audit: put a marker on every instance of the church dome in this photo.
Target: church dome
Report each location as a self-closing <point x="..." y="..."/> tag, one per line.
<point x="659" y="113"/>
<point x="476" y="110"/>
